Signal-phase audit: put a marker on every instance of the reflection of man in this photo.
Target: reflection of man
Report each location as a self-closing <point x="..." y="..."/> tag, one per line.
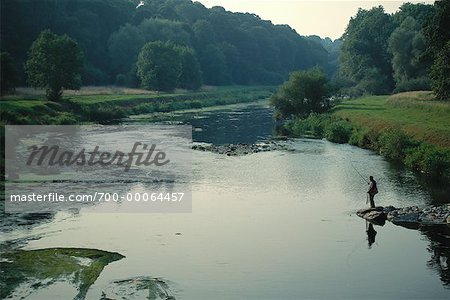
<point x="371" y="233"/>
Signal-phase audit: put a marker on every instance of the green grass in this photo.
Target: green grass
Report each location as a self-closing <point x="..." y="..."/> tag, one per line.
<point x="84" y="107"/>
<point x="415" y="113"/>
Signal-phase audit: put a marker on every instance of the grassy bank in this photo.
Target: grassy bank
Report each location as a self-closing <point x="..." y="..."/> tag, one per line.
<point x="411" y="128"/>
<point x="416" y="113"/>
<point x="112" y="104"/>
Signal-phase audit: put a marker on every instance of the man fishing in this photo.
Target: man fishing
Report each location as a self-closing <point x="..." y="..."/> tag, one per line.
<point x="373" y="190"/>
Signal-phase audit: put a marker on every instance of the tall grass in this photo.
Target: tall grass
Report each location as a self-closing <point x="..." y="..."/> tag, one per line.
<point x="417" y="113"/>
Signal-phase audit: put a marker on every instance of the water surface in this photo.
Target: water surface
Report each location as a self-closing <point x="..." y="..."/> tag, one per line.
<point x="273" y="225"/>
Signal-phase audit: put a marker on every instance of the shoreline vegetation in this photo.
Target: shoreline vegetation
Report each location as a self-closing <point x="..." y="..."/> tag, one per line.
<point x="411" y="128"/>
<point x="109" y="104"/>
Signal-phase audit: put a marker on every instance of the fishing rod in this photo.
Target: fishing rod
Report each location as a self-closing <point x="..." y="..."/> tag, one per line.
<point x="367" y="198"/>
<point x="358" y="172"/>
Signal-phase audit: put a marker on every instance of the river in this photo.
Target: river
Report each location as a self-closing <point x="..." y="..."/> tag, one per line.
<point x="271" y="225"/>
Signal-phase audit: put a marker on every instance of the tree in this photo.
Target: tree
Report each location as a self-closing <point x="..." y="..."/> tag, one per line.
<point x="164" y="30"/>
<point x="191" y="76"/>
<point x="124" y="46"/>
<point x="203" y="33"/>
<point x="213" y="62"/>
<point x="231" y="47"/>
<point x="438" y="45"/>
<point x="419" y="11"/>
<point x="365" y="58"/>
<point x="407" y="45"/>
<point x="159" y="66"/>
<point x="304" y="93"/>
<point x="440" y="73"/>
<point x="8" y="74"/>
<point x="54" y="63"/>
<point x="164" y="66"/>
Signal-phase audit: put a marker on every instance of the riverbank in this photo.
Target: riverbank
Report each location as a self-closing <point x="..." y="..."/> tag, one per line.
<point x="110" y="104"/>
<point x="411" y="128"/>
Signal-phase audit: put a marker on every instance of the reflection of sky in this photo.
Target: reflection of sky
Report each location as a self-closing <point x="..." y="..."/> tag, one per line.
<point x="327" y="18"/>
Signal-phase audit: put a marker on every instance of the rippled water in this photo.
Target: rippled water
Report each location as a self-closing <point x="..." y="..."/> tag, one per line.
<point x="273" y="225"/>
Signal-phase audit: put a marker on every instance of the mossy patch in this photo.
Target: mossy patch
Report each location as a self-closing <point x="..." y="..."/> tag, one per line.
<point x="44" y="267"/>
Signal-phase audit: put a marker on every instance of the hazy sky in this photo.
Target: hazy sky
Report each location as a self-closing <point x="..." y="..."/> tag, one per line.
<point x="320" y="17"/>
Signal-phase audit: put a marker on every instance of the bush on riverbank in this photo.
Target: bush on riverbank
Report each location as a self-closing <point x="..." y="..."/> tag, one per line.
<point x="430" y="160"/>
<point x="394" y="144"/>
<point x="338" y="131"/>
<point x="321" y="126"/>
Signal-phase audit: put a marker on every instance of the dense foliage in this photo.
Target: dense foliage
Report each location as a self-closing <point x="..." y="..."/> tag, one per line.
<point x="163" y="66"/>
<point x="304" y="93"/>
<point x="231" y="48"/>
<point x="437" y="32"/>
<point x="54" y="62"/>
<point x="8" y="76"/>
<point x="405" y="51"/>
<point x="365" y="59"/>
<point x="407" y="45"/>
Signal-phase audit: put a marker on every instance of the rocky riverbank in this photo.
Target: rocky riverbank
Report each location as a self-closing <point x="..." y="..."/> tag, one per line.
<point x="410" y="217"/>
<point x="242" y="149"/>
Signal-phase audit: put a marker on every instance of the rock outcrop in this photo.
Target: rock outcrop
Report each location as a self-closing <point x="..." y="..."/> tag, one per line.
<point x="410" y="217"/>
<point x="241" y="149"/>
<point x="375" y="215"/>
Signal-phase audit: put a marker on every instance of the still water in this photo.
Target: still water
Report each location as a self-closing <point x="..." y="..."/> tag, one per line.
<point x="273" y="225"/>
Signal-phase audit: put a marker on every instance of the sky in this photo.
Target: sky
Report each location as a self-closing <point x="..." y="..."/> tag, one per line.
<point x="325" y="18"/>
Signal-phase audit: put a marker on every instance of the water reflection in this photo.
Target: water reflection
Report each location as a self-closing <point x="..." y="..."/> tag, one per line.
<point x="371" y="233"/>
<point x="249" y="125"/>
<point x="404" y="178"/>
<point x="439" y="249"/>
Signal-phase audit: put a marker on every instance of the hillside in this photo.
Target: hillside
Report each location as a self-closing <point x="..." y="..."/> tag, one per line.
<point x="232" y="48"/>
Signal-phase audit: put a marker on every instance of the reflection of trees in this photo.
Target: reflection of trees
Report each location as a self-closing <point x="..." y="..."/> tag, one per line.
<point x="439" y="248"/>
<point x="405" y="179"/>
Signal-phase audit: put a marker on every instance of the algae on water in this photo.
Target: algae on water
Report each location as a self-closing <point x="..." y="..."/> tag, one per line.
<point x="44" y="267"/>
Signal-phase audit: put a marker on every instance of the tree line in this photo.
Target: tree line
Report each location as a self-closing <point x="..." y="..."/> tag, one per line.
<point x="210" y="46"/>
<point x="379" y="54"/>
<point x="405" y="51"/>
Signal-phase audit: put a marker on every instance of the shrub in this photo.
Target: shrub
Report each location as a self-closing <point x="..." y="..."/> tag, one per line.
<point x="338" y="131"/>
<point x="296" y="128"/>
<point x="143" y="108"/>
<point x="313" y="125"/>
<point x="429" y="159"/>
<point x="393" y="144"/>
<point x="106" y="114"/>
<point x="63" y="119"/>
<point x="363" y="137"/>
